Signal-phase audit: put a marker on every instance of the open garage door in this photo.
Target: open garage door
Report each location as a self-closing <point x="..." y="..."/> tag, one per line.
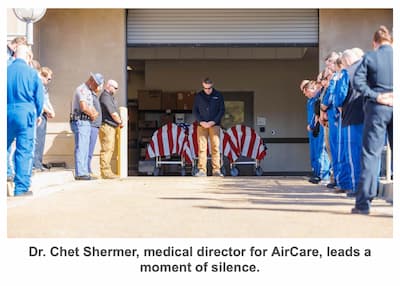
<point x="266" y="27"/>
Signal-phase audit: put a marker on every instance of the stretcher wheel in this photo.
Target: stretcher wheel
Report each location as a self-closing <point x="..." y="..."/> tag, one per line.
<point x="234" y="172"/>
<point x="223" y="171"/>
<point x="259" y="171"/>
<point x="157" y="171"/>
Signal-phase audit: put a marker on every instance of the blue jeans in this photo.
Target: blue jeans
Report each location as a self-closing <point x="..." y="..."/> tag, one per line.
<point x="21" y="125"/>
<point x="39" y="143"/>
<point x="94" y="131"/>
<point x="81" y="129"/>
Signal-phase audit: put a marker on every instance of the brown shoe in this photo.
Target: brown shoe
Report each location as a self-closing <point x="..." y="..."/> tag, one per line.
<point x="110" y="176"/>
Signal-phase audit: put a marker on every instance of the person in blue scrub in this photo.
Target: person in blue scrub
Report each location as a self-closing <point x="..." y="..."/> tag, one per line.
<point x="11" y="48"/>
<point x="320" y="163"/>
<point x="24" y="106"/>
<point x="332" y="113"/>
<point x="350" y="102"/>
<point x="341" y="89"/>
<point x="374" y="80"/>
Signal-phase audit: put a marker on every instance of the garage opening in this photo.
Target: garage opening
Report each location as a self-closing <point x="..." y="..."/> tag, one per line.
<point x="256" y="57"/>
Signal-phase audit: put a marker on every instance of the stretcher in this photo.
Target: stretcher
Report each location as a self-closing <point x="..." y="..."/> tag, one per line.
<point x="167" y="142"/>
<point x="227" y="149"/>
<point x="250" y="147"/>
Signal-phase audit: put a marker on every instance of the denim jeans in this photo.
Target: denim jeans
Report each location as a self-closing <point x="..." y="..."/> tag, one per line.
<point x="81" y="129"/>
<point x="39" y="143"/>
<point x="94" y="131"/>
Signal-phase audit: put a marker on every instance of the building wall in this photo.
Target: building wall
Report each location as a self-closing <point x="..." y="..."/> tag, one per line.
<point x="340" y="29"/>
<point x="73" y="43"/>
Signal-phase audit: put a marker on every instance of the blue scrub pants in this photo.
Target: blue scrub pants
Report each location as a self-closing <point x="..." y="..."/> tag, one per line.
<point x="350" y="156"/>
<point x="81" y="129"/>
<point x="333" y="142"/>
<point x="378" y="121"/>
<point x="21" y="125"/>
<point x="320" y="163"/>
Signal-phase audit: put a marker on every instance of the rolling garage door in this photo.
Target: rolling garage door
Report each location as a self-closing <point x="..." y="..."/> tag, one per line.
<point x="267" y="27"/>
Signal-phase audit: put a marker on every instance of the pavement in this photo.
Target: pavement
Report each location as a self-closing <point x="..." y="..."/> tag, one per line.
<point x="190" y="207"/>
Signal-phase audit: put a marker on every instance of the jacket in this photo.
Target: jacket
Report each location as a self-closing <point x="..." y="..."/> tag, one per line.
<point x="209" y="107"/>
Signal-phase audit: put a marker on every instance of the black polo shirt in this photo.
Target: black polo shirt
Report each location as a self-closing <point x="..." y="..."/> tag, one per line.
<point x="108" y="106"/>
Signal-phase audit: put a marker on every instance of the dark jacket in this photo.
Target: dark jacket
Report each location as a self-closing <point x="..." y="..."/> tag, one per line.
<point x="209" y="107"/>
<point x="375" y="73"/>
<point x="352" y="109"/>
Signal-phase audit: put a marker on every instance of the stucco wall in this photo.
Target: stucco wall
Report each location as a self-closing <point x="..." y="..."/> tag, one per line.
<point x="73" y="43"/>
<point x="340" y="29"/>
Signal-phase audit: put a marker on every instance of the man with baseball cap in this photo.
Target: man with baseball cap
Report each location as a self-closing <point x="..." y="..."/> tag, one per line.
<point x="83" y="112"/>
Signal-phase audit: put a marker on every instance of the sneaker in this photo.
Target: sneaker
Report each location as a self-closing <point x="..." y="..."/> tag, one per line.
<point x="217" y="174"/>
<point x="200" y="174"/>
<point x="331" y="185"/>
<point x="83" y="178"/>
<point x="315" y="180"/>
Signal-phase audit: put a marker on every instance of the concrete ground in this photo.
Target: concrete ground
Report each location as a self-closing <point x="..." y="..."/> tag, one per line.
<point x="161" y="207"/>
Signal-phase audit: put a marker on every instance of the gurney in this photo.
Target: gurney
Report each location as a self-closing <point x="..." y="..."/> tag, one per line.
<point x="168" y="141"/>
<point x="249" y="145"/>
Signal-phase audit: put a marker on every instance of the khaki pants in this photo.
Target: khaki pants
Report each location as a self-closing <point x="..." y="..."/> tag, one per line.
<point x="107" y="141"/>
<point x="202" y="138"/>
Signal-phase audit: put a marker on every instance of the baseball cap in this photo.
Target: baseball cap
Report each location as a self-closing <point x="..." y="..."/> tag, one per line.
<point x="98" y="78"/>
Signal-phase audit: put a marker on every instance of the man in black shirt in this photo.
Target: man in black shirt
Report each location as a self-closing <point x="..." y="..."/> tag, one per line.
<point x="110" y="122"/>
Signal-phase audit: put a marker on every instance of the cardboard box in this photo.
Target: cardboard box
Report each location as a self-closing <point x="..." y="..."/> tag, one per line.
<point x="149" y="99"/>
<point x="185" y="100"/>
<point x="168" y="101"/>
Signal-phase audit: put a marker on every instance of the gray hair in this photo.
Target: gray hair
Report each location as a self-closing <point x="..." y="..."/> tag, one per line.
<point x="23" y="52"/>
